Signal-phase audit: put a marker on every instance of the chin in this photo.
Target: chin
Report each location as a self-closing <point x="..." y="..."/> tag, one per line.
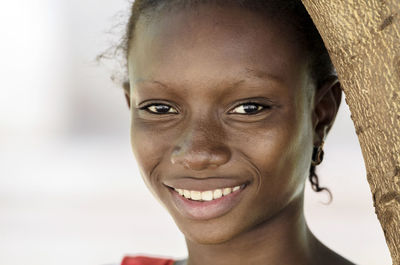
<point x="211" y="232"/>
<point x="208" y="239"/>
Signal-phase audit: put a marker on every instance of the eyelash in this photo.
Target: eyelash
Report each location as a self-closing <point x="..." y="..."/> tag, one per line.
<point x="146" y="108"/>
<point x="263" y="107"/>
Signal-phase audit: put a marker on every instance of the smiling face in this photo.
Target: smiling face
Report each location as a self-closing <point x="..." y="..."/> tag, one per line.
<point x="219" y="99"/>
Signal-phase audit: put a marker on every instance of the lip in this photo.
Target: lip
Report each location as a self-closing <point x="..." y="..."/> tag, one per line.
<point x="205" y="184"/>
<point x="205" y="210"/>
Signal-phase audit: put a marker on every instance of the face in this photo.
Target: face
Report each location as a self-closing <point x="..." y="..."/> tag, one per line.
<point x="219" y="99"/>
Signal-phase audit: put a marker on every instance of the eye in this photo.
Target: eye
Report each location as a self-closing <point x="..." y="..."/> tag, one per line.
<point x="159" y="109"/>
<point x="248" y="108"/>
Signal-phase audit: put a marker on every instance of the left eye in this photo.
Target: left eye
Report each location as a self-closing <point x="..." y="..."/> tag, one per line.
<point x="248" y="108"/>
<point x="159" y="109"/>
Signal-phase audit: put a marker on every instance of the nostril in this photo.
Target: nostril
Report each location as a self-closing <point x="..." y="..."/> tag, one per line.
<point x="200" y="159"/>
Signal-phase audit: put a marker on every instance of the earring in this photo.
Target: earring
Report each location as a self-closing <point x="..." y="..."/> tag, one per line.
<point x="318" y="155"/>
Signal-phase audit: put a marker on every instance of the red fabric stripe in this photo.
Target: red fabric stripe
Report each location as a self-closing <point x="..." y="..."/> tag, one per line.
<point x="143" y="260"/>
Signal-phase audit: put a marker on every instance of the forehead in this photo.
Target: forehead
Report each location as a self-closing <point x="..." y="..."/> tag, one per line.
<point x="214" y="44"/>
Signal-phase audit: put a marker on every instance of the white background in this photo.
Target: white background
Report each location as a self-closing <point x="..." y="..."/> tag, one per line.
<point x="70" y="192"/>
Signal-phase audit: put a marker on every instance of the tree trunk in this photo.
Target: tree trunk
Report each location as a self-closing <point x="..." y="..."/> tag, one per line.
<point x="363" y="40"/>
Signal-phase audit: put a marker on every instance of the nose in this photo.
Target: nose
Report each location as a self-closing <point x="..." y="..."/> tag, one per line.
<point x="201" y="147"/>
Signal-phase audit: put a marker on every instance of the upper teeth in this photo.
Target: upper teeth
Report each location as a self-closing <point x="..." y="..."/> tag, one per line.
<point x="207" y="195"/>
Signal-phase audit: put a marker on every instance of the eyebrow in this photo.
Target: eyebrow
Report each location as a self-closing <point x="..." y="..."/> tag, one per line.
<point x="263" y="75"/>
<point x="252" y="73"/>
<point x="158" y="83"/>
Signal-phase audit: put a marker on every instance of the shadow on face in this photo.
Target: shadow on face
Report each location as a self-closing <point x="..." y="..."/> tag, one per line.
<point x="219" y="96"/>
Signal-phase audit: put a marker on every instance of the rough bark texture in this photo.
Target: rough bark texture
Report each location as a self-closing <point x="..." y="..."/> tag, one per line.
<point x="363" y="39"/>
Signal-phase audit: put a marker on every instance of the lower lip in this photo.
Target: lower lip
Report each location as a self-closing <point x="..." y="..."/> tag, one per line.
<point x="204" y="210"/>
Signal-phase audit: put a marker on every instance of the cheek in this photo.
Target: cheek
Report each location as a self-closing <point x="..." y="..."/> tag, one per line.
<point x="280" y="151"/>
<point x="149" y="147"/>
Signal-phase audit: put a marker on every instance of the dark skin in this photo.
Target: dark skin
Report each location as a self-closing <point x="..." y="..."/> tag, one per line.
<point x="213" y="95"/>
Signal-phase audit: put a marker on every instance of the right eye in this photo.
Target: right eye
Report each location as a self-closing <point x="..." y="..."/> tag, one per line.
<point x="159" y="109"/>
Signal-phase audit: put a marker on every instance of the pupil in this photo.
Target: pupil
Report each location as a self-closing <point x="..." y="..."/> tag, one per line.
<point x="250" y="108"/>
<point x="162" y="108"/>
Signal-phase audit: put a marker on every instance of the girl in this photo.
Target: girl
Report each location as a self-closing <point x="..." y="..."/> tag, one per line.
<point x="231" y="102"/>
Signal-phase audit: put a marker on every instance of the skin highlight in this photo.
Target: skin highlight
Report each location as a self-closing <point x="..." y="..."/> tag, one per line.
<point x="200" y="68"/>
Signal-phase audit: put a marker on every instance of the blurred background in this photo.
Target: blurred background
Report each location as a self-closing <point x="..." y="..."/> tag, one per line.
<point x="70" y="191"/>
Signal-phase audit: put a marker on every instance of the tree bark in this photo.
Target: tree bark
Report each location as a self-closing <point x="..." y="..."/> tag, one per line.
<point x="363" y="40"/>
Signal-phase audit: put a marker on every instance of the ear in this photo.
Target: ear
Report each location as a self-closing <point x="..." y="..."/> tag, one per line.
<point x="127" y="91"/>
<point x="326" y="105"/>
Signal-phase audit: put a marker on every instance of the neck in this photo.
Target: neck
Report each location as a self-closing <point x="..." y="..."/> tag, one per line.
<point x="282" y="239"/>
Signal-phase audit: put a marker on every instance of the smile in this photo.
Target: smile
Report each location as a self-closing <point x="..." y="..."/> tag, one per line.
<point x="208" y="203"/>
<point x="208" y="195"/>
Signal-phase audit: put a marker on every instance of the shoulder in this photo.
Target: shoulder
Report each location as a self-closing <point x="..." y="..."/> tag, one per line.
<point x="147" y="260"/>
<point x="329" y="257"/>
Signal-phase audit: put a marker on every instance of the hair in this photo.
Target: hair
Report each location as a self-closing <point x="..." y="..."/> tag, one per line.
<point x="291" y="13"/>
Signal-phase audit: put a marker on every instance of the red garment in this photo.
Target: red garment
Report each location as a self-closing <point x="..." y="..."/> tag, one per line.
<point x="143" y="260"/>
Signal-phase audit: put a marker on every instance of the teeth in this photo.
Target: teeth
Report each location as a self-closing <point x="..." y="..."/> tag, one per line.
<point x="186" y="193"/>
<point x="226" y="191"/>
<point x="195" y="195"/>
<point x="217" y="193"/>
<point x="208" y="195"/>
